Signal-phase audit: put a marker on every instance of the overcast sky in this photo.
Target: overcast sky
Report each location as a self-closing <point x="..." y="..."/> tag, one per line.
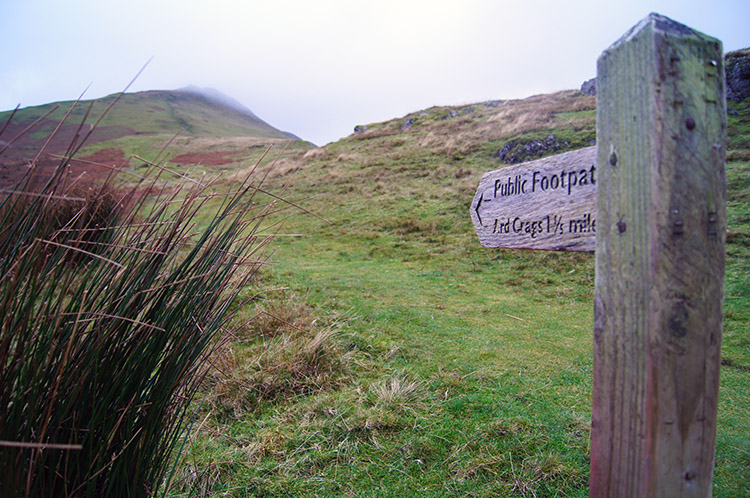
<point x="317" y="68"/>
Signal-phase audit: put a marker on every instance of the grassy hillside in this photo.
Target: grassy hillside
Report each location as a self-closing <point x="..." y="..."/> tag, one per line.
<point x="391" y="355"/>
<point x="160" y="112"/>
<point x="192" y="123"/>
<point x="142" y="117"/>
<point x="385" y="352"/>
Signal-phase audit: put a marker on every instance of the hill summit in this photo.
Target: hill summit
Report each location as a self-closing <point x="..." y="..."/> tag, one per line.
<point x="138" y="121"/>
<point x="190" y="111"/>
<point x="220" y="98"/>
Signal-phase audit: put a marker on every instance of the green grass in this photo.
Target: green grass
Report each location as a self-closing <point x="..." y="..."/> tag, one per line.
<point x="466" y="372"/>
<point x="733" y="451"/>
<point x="386" y="353"/>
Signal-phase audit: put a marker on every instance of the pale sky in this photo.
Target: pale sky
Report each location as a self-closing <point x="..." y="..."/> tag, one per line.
<point x="317" y="68"/>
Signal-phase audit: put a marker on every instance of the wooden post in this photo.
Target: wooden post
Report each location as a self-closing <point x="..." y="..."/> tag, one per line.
<point x="661" y="121"/>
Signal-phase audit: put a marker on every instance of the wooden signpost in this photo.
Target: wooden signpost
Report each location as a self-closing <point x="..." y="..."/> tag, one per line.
<point x="660" y="231"/>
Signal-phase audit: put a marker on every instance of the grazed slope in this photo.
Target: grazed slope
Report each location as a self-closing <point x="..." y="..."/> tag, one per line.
<point x="186" y="112"/>
<point x="466" y="372"/>
<point x="196" y="121"/>
<point x="416" y="363"/>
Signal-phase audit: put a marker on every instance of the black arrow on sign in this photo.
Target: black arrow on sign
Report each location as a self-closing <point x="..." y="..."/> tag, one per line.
<point x="476" y="209"/>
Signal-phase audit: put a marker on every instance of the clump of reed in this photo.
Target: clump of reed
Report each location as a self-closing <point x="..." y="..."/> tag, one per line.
<point x="110" y="304"/>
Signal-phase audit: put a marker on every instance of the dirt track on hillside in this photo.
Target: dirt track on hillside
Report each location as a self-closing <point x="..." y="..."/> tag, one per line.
<point x="90" y="169"/>
<point x="26" y="145"/>
<point x="205" y="158"/>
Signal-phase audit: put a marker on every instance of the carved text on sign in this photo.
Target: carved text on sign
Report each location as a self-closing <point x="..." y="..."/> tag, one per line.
<point x="545" y="204"/>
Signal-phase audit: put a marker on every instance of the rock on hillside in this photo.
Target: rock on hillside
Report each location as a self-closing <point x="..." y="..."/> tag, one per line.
<point x="737" y="65"/>
<point x="589" y="87"/>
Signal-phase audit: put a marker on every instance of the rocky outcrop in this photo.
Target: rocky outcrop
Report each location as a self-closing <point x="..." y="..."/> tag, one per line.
<point x="589" y="87"/>
<point x="407" y="124"/>
<point x="517" y="151"/>
<point x="737" y="65"/>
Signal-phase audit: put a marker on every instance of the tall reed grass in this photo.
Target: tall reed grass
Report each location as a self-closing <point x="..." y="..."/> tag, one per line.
<point x="110" y="304"/>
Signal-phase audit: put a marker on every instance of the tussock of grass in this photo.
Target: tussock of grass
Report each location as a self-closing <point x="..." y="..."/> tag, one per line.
<point x="99" y="360"/>
<point x="300" y="365"/>
<point x="396" y="393"/>
<point x="283" y="354"/>
<point x="281" y="314"/>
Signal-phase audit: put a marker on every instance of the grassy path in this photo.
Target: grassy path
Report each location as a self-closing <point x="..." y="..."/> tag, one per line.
<point x="459" y="371"/>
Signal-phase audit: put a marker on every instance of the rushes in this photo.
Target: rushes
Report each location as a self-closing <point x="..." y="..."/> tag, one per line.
<point x="109" y="307"/>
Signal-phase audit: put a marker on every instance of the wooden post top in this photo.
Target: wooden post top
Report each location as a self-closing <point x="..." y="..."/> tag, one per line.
<point x="662" y="25"/>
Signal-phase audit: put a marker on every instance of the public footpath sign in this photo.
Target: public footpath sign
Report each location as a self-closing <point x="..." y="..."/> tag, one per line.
<point x="545" y="204"/>
<point x="658" y="227"/>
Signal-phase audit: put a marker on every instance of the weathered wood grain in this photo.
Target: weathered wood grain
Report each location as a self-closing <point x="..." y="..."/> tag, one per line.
<point x="661" y="224"/>
<point x="547" y="204"/>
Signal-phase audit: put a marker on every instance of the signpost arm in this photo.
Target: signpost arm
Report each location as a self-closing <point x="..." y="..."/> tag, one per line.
<point x="661" y="124"/>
